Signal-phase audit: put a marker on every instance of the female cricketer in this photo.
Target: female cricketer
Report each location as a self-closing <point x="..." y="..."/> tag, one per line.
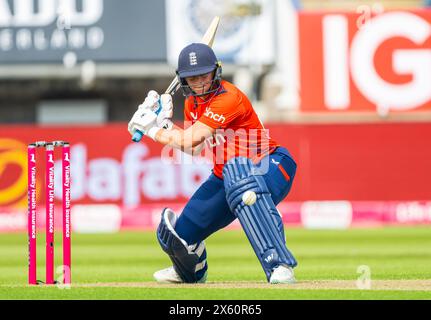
<point x="252" y="173"/>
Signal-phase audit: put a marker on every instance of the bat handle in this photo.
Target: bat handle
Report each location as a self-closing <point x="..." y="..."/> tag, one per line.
<point x="138" y="134"/>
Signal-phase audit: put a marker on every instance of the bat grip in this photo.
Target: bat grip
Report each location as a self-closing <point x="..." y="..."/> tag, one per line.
<point x="138" y="134"/>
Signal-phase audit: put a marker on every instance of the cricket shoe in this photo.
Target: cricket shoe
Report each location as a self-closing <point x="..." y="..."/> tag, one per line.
<point x="282" y="274"/>
<point x="169" y="275"/>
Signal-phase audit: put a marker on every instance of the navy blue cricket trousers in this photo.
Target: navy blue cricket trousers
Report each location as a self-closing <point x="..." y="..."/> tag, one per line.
<point x="207" y="210"/>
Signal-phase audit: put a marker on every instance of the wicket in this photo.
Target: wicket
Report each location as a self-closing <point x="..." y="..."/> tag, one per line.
<point x="32" y="209"/>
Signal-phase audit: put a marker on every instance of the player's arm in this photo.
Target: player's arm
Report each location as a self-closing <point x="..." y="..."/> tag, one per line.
<point x="167" y="107"/>
<point x="187" y="140"/>
<point x="194" y="151"/>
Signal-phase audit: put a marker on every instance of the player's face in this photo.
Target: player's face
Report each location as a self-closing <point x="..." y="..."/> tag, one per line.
<point x="200" y="84"/>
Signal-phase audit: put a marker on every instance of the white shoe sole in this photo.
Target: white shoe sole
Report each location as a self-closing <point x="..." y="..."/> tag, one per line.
<point x="176" y="281"/>
<point x="276" y="281"/>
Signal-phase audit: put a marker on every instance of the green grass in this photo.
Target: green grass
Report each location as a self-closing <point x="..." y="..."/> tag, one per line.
<point x="390" y="253"/>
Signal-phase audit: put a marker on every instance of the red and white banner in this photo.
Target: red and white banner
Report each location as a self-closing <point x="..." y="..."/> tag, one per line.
<point x="367" y="172"/>
<point x="365" y="61"/>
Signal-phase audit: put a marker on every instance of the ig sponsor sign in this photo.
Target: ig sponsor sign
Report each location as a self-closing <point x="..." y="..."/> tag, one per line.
<point x="350" y="63"/>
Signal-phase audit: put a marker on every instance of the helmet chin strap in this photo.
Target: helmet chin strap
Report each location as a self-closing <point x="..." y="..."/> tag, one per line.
<point x="202" y="97"/>
<point x="215" y="85"/>
<point x="202" y="89"/>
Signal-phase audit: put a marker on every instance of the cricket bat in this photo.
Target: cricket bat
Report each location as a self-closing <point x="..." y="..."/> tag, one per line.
<point x="207" y="39"/>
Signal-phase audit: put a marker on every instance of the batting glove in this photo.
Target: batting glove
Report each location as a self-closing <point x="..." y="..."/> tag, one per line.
<point x="151" y="101"/>
<point x="165" y="115"/>
<point x="143" y="120"/>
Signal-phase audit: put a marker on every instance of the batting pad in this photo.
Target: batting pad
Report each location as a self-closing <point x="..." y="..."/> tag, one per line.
<point x="260" y="220"/>
<point x="185" y="259"/>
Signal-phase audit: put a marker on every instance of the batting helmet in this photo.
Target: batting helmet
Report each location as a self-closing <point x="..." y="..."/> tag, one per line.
<point x="194" y="60"/>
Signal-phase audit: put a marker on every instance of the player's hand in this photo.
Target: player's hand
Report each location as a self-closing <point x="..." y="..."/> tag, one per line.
<point x="142" y="120"/>
<point x="165" y="115"/>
